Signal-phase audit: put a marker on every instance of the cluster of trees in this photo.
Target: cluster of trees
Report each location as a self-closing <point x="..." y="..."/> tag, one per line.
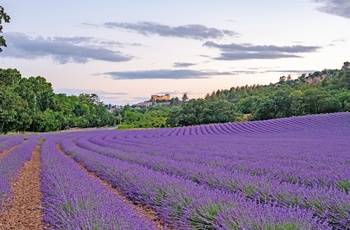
<point x="29" y="104"/>
<point x="154" y="116"/>
<point x="148" y="117"/>
<point x="201" y="111"/>
<point x="324" y="91"/>
<point x="6" y="18"/>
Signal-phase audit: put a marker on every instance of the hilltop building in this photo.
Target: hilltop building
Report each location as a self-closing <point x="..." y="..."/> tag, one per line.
<point x="155" y="100"/>
<point x="165" y="97"/>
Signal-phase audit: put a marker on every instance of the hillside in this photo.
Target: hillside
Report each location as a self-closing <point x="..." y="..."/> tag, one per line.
<point x="29" y="104"/>
<point x="324" y="91"/>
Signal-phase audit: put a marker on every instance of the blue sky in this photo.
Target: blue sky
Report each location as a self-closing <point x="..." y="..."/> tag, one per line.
<point x="126" y="51"/>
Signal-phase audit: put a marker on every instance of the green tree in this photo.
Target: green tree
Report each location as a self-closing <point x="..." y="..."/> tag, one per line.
<point x="184" y="97"/>
<point x="223" y="110"/>
<point x="6" y="18"/>
<point x="64" y="106"/>
<point x="344" y="98"/>
<point x="296" y="106"/>
<point x="244" y="105"/>
<point x="345" y="77"/>
<point x="175" y="101"/>
<point x="200" y="111"/>
<point x="46" y="121"/>
<point x="103" y="117"/>
<point x="37" y="91"/>
<point x="174" y="117"/>
<point x="14" y="114"/>
<point x="9" y="77"/>
<point x="129" y="116"/>
<point x="192" y="112"/>
<point x="264" y="108"/>
<point x="282" y="102"/>
<point x="319" y="101"/>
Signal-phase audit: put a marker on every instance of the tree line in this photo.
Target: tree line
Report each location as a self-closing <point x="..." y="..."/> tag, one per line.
<point x="324" y="91"/>
<point x="29" y="104"/>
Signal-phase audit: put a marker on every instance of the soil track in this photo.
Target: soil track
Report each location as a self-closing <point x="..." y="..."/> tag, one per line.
<point x="25" y="210"/>
<point x="3" y="153"/>
<point x="145" y="213"/>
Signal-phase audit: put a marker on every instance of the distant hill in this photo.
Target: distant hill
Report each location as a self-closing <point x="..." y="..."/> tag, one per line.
<point x="325" y="91"/>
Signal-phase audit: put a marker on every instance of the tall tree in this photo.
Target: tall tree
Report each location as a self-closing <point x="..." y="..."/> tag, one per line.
<point x="6" y="18"/>
<point x="37" y="91"/>
<point x="14" y="110"/>
<point x="185" y="97"/>
<point x="9" y="77"/>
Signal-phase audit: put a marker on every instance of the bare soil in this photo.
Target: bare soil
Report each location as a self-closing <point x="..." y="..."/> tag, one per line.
<point x="25" y="209"/>
<point x="3" y="153"/>
<point x="145" y="213"/>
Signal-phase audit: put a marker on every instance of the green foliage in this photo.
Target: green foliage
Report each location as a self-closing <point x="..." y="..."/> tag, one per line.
<point x="201" y="111"/>
<point x="9" y="77"/>
<point x="6" y="18"/>
<point x="14" y="114"/>
<point x="245" y="104"/>
<point x="45" y="121"/>
<point x="284" y="226"/>
<point x="29" y="104"/>
<point x="324" y="91"/>
<point x="37" y="92"/>
<point x="344" y="186"/>
<point x="264" y="108"/>
<point x="205" y="216"/>
<point x="149" y="117"/>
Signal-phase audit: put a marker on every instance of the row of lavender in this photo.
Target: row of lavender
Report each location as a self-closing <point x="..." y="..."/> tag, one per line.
<point x="10" y="164"/>
<point x="184" y="204"/>
<point x="265" y="188"/>
<point x="304" y="170"/>
<point x="294" y="156"/>
<point x="275" y="126"/>
<point x="8" y="142"/>
<point x="222" y="176"/>
<point x="74" y="200"/>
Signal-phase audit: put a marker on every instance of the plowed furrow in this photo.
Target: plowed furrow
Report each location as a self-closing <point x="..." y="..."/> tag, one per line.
<point x="145" y="213"/>
<point x="25" y="209"/>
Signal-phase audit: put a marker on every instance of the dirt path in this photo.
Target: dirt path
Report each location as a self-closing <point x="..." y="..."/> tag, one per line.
<point x="25" y="212"/>
<point x="3" y="153"/>
<point x="145" y="213"/>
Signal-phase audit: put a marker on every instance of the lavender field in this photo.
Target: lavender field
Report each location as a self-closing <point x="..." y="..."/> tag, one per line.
<point x="290" y="173"/>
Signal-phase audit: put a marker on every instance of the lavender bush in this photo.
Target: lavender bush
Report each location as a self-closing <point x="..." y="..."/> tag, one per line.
<point x="8" y="142"/>
<point x="10" y="165"/>
<point x="73" y="200"/>
<point x="300" y="162"/>
<point x="181" y="202"/>
<point x="290" y="173"/>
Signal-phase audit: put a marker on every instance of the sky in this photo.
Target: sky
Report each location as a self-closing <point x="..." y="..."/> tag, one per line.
<point x="126" y="51"/>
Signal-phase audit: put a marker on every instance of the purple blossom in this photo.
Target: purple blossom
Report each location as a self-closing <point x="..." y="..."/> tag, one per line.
<point x="73" y="200"/>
